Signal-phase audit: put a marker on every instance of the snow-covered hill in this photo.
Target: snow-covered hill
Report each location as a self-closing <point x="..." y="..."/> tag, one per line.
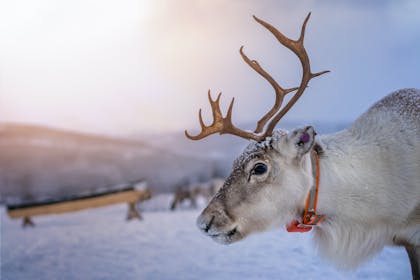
<point x="100" y="244"/>
<point x="38" y="163"/>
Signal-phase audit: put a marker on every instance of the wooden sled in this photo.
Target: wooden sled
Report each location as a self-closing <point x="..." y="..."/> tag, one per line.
<point x="130" y="195"/>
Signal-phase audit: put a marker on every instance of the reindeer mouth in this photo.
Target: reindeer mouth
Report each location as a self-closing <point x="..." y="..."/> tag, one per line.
<point x="219" y="227"/>
<point x="226" y="237"/>
<point x="232" y="232"/>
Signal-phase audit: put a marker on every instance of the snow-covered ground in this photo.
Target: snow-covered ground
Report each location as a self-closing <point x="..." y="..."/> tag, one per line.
<point x="100" y="244"/>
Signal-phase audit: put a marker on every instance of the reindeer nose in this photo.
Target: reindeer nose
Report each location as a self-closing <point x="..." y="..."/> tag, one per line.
<point x="204" y="222"/>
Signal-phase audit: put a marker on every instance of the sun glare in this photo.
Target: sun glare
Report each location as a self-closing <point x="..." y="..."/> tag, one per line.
<point x="147" y="8"/>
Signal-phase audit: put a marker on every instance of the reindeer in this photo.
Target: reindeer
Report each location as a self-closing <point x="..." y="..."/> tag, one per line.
<point x="357" y="189"/>
<point x="191" y="192"/>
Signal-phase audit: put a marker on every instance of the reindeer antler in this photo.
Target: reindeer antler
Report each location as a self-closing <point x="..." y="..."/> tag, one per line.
<point x="220" y="124"/>
<point x="224" y="125"/>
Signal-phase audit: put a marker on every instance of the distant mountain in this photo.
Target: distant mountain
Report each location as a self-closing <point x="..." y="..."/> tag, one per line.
<point x="38" y="162"/>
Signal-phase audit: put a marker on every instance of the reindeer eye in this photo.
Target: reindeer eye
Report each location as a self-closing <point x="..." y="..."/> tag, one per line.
<point x="259" y="169"/>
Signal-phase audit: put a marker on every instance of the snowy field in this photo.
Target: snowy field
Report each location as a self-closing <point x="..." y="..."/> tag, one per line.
<point x="100" y="244"/>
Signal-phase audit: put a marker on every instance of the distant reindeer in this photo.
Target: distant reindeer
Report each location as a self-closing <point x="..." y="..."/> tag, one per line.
<point x="365" y="180"/>
<point x="192" y="192"/>
<point x="183" y="194"/>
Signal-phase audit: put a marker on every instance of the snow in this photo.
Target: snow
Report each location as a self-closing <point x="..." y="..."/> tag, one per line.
<point x="100" y="244"/>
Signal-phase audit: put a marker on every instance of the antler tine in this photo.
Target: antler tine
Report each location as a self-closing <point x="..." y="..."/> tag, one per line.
<point x="296" y="46"/>
<point x="217" y="119"/>
<point x="221" y="125"/>
<point x="215" y="108"/>
<point x="280" y="92"/>
<point x="303" y="29"/>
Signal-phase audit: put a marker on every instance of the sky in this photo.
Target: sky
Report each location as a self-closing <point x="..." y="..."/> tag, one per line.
<point x="132" y="66"/>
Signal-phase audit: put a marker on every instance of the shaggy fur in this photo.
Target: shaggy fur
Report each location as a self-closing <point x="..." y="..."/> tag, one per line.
<point x="370" y="181"/>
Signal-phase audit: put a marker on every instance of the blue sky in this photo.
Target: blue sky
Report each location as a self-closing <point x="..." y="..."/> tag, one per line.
<point x="119" y="67"/>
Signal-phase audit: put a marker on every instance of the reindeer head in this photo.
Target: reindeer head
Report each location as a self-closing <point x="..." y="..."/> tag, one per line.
<point x="272" y="177"/>
<point x="267" y="187"/>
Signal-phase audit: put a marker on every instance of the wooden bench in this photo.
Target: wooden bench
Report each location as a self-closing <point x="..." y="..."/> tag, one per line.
<point x="129" y="194"/>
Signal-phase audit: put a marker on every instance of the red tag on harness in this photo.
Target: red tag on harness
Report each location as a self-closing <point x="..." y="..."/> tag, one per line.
<point x="295" y="226"/>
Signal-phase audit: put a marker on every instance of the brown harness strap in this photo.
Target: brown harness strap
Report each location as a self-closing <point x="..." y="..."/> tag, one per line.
<point x="310" y="218"/>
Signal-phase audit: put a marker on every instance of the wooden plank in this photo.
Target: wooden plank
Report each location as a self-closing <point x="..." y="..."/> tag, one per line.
<point x="130" y="196"/>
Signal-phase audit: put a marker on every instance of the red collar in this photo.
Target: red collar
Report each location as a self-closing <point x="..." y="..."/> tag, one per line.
<point x="309" y="217"/>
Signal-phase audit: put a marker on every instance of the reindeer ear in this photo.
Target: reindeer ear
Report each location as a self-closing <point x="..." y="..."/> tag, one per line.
<point x="302" y="140"/>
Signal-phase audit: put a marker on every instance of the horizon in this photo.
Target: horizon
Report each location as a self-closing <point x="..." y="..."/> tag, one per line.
<point x="133" y="134"/>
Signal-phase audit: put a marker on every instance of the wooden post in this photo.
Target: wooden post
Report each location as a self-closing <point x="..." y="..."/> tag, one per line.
<point x="27" y="222"/>
<point x="133" y="212"/>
